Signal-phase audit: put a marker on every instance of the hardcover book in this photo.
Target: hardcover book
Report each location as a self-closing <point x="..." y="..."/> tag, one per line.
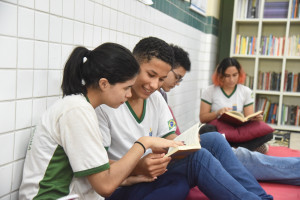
<point x="237" y="118"/>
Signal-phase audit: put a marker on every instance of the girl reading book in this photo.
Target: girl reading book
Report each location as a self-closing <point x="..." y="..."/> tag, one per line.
<point x="227" y="93"/>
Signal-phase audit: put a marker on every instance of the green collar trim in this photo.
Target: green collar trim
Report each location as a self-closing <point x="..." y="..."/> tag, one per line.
<point x="228" y="96"/>
<point x="133" y="113"/>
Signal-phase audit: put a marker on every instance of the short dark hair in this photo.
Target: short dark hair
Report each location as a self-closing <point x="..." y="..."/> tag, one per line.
<point x="181" y="58"/>
<point x="208" y="128"/>
<point x="152" y="47"/>
<point x="109" y="60"/>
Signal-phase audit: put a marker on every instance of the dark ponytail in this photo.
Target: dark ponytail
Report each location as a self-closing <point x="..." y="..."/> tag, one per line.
<point x="85" y="68"/>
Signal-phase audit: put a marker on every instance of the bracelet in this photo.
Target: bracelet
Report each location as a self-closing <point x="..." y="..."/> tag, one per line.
<point x="141" y="145"/>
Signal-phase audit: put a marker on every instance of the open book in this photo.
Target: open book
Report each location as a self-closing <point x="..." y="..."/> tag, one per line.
<point x="237" y="118"/>
<point x="191" y="140"/>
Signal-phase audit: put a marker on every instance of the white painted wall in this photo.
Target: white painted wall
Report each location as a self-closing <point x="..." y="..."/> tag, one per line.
<point x="36" y="38"/>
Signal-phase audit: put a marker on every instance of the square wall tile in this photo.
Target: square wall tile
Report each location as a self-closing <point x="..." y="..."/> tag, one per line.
<point x="126" y="23"/>
<point x="42" y="5"/>
<point x="78" y="33"/>
<point x="105" y="17"/>
<point x="21" y="143"/>
<point x="8" y="52"/>
<point x="89" y="12"/>
<point x="67" y="31"/>
<point x="68" y="8"/>
<point x="120" y="22"/>
<point x="113" y="19"/>
<point x="24" y="83"/>
<point x="41" y="26"/>
<point x="56" y="7"/>
<point x="8" y="19"/>
<point x="55" y="29"/>
<point x="7" y="116"/>
<point x="105" y="35"/>
<point x="97" y="36"/>
<point x="7" y="148"/>
<point x="23" y="113"/>
<point x="88" y="35"/>
<point x="25" y="53"/>
<point x="40" y="83"/>
<point x="6" y="179"/>
<point x="38" y="109"/>
<point x="27" y="3"/>
<point x="17" y="174"/>
<point x="25" y="23"/>
<point x="98" y="15"/>
<point x="54" y="56"/>
<point x="79" y="5"/>
<point x="41" y="55"/>
<point x="8" y="84"/>
<point x="54" y="82"/>
<point x="112" y="36"/>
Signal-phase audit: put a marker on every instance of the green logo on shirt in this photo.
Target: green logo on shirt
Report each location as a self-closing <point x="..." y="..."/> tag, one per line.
<point x="171" y="124"/>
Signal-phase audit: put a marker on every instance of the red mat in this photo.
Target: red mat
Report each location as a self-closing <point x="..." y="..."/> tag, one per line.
<point x="278" y="191"/>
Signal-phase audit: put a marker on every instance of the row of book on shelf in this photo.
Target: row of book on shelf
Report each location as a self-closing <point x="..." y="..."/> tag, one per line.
<point x="276" y="9"/>
<point x="248" y="9"/>
<point x="270" y="45"/>
<point x="272" y="80"/>
<point x="272" y="9"/>
<point x="290" y="114"/>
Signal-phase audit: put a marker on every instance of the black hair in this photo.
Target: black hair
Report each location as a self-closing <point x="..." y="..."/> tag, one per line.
<point x="109" y="60"/>
<point x="208" y="128"/>
<point x="152" y="47"/>
<point x="181" y="58"/>
<point x="227" y="62"/>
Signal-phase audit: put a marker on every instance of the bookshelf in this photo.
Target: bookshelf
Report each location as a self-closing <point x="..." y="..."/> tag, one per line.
<point x="270" y="64"/>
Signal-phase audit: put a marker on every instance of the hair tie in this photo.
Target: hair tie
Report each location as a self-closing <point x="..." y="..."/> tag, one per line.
<point x="86" y="55"/>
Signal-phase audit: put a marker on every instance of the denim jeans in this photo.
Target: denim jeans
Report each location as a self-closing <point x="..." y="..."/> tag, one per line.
<point x="217" y="172"/>
<point x="167" y="186"/>
<point x="284" y="170"/>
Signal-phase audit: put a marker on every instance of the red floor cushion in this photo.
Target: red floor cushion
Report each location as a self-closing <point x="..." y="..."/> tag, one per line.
<point x="279" y="191"/>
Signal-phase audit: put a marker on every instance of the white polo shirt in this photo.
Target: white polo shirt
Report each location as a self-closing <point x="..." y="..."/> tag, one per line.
<point x="66" y="143"/>
<point x="121" y="127"/>
<point x="241" y="97"/>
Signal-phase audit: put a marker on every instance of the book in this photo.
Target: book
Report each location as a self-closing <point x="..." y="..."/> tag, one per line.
<point x="237" y="118"/>
<point x="191" y="139"/>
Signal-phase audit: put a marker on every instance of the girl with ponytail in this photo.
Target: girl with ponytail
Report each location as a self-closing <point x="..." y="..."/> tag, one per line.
<point x="67" y="142"/>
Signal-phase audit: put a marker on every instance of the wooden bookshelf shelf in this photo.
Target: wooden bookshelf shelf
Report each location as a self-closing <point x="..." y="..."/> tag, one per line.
<point x="280" y="57"/>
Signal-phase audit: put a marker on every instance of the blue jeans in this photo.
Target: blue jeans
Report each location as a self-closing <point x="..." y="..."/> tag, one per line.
<point x="217" y="172"/>
<point x="284" y="170"/>
<point x="167" y="186"/>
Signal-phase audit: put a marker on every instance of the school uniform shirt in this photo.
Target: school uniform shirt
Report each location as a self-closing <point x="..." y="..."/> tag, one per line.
<point x="66" y="143"/>
<point x="121" y="127"/>
<point x="215" y="96"/>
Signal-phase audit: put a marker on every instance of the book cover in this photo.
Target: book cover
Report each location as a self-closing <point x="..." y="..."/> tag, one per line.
<point x="191" y="140"/>
<point x="237" y="118"/>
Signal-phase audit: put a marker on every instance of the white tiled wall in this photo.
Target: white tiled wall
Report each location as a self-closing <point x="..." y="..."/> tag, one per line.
<point x="36" y="38"/>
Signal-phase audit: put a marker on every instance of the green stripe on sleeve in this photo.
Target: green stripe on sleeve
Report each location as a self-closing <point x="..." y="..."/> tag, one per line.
<point x="92" y="171"/>
<point x="164" y="136"/>
<point x="248" y="104"/>
<point x="206" y="101"/>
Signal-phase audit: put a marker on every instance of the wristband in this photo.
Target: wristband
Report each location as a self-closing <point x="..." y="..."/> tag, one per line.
<point x="137" y="142"/>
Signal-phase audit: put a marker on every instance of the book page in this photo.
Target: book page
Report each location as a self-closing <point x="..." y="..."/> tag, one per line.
<point x="237" y="113"/>
<point x="254" y="115"/>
